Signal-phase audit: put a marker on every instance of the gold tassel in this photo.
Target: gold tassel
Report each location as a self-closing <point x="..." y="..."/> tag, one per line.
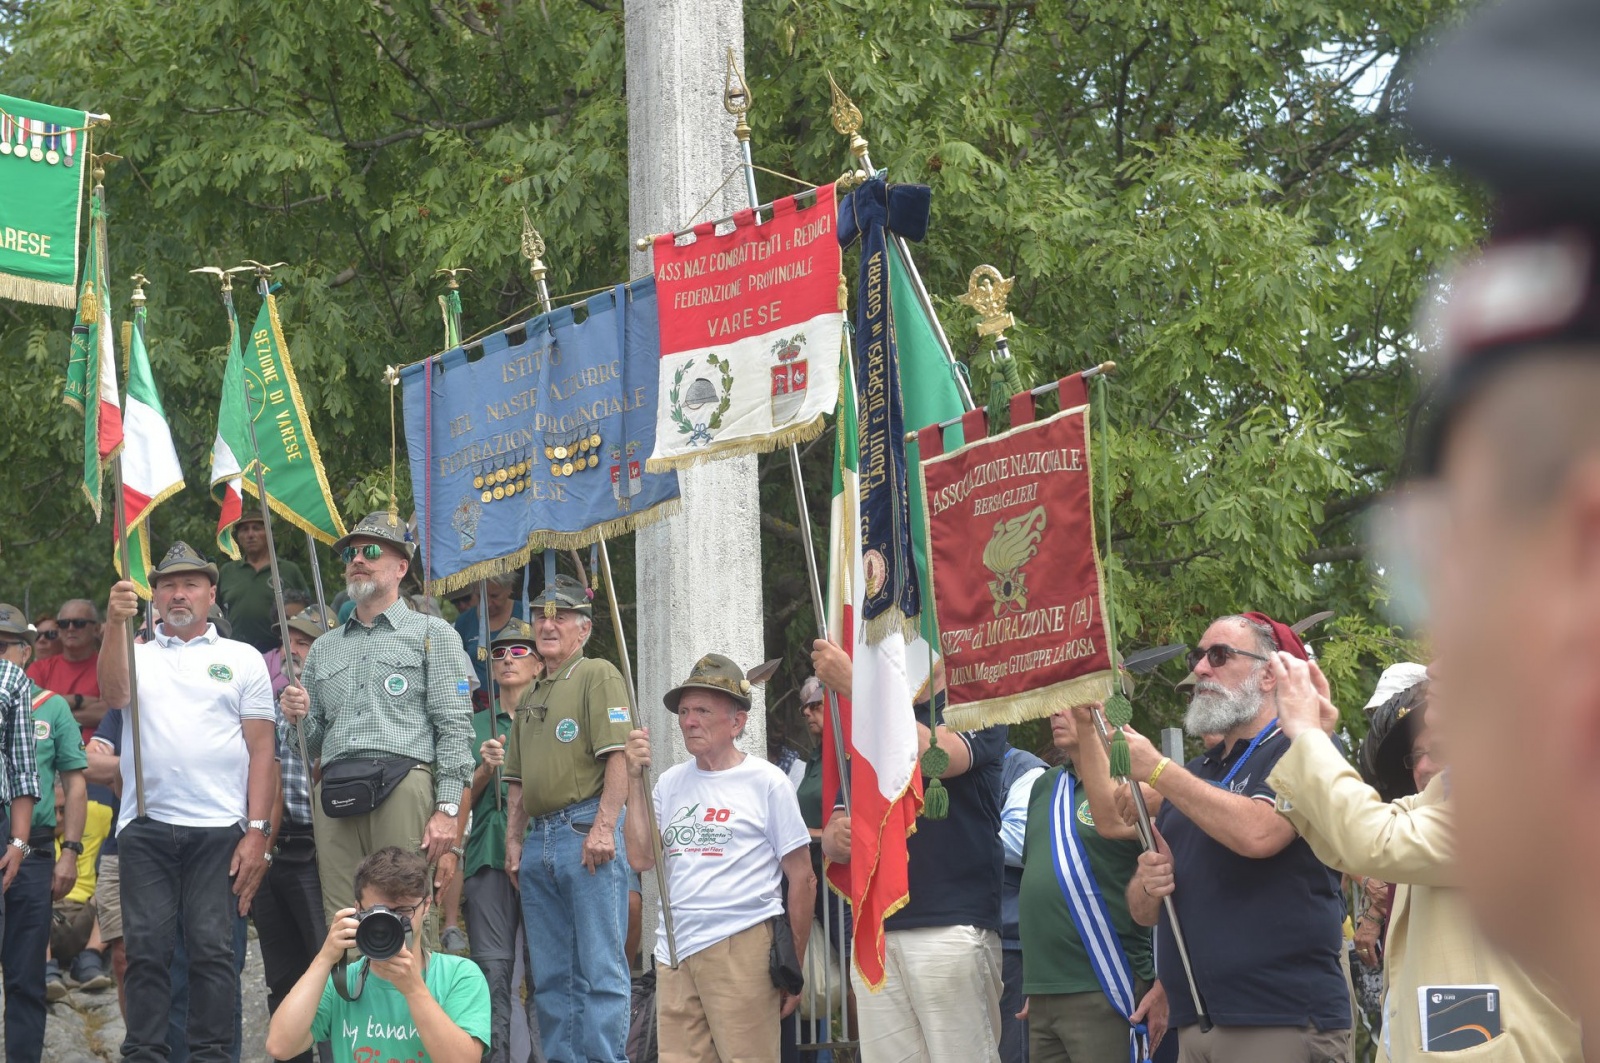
<point x="89" y="304"/>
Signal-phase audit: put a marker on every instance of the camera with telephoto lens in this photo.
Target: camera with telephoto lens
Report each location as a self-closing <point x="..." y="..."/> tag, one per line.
<point x="381" y="932"/>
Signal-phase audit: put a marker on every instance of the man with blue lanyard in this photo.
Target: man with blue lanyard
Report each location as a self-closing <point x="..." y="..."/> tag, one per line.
<point x="1262" y="916"/>
<point x="1087" y="968"/>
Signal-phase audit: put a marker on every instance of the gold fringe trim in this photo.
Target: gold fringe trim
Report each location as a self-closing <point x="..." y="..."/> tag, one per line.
<point x="247" y="486"/>
<point x="45" y="293"/>
<point x="890" y="621"/>
<point x="1030" y="704"/>
<point x="311" y="439"/>
<point x="138" y="522"/>
<point x="734" y="448"/>
<point x="538" y="542"/>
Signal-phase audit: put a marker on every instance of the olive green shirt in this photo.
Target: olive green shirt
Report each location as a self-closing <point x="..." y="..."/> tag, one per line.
<point x="245" y="594"/>
<point x="398" y="688"/>
<point x="566" y="726"/>
<point x="486" y="840"/>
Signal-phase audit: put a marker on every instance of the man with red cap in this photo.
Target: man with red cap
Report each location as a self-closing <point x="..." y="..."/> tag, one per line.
<point x="1262" y="916"/>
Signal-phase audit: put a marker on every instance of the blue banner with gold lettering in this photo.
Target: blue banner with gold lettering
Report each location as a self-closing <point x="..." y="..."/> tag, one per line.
<point x="536" y="437"/>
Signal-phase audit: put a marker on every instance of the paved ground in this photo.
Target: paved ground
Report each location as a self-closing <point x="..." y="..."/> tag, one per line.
<point x="87" y="1027"/>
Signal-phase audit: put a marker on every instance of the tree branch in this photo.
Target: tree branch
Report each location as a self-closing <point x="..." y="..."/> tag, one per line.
<point x="417" y="131"/>
<point x="1325" y="554"/>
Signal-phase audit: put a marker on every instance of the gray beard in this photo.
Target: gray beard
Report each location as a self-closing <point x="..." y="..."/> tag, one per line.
<point x="362" y="590"/>
<point x="179" y="617"/>
<point x="1216" y="710"/>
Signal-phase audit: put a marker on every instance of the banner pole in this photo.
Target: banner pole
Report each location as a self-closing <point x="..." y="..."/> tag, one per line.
<point x="128" y="633"/>
<point x="533" y="251"/>
<point x="316" y="575"/>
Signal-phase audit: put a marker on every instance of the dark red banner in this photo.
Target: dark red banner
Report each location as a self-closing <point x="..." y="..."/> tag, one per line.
<point x="1015" y="576"/>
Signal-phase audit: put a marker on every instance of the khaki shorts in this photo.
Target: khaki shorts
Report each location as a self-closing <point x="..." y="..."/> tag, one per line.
<point x="108" y="899"/>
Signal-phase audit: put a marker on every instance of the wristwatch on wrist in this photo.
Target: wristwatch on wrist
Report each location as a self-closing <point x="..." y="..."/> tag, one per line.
<point x="18" y="843"/>
<point x="457" y="853"/>
<point x="450" y="808"/>
<point x="262" y="825"/>
<point x="76" y="847"/>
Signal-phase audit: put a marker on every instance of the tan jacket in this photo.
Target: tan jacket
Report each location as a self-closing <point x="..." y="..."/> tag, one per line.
<point x="1432" y="938"/>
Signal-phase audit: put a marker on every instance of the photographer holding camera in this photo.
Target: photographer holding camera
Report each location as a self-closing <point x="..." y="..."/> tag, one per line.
<point x="414" y="1001"/>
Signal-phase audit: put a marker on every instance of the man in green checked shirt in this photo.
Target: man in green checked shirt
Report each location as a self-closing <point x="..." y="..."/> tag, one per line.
<point x="386" y="705"/>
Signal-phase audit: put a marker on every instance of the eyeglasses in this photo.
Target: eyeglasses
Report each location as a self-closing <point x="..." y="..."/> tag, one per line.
<point x="51" y="634"/>
<point x="407" y="910"/>
<point x="77" y="624"/>
<point x="500" y="653"/>
<point x="1413" y="759"/>
<point x="7" y="647"/>
<point x="370" y="551"/>
<point x="1218" y="654"/>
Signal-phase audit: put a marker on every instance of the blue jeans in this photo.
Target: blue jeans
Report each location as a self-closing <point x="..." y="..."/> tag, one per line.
<point x="178" y="1014"/>
<point x="27" y="935"/>
<point x="576" y="925"/>
<point x="173" y="875"/>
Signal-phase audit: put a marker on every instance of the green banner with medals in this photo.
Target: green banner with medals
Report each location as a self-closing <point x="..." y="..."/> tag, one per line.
<point x="43" y="156"/>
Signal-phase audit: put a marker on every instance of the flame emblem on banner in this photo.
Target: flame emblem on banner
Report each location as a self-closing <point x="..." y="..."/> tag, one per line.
<point x="1013" y="545"/>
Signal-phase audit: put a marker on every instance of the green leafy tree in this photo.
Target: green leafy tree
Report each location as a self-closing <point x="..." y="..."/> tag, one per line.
<point x="1215" y="194"/>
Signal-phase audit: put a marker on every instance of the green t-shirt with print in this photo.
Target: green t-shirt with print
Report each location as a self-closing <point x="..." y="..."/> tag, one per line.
<point x="58" y="747"/>
<point x="377" y="1026"/>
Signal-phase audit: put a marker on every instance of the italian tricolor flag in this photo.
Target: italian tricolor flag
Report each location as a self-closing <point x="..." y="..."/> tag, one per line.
<point x="92" y="364"/>
<point x="228" y="466"/>
<point x="150" y="470"/>
<point x="885" y="783"/>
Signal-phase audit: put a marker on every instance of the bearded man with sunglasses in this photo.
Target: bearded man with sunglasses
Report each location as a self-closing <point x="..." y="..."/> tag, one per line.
<point x="1262" y="916"/>
<point x="386" y="704"/>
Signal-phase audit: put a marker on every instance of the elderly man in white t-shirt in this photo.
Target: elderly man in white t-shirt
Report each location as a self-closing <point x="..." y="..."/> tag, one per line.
<point x="199" y="846"/>
<point x="731" y="831"/>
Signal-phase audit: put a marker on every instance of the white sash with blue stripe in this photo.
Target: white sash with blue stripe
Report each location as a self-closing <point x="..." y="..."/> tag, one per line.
<point x="1088" y="908"/>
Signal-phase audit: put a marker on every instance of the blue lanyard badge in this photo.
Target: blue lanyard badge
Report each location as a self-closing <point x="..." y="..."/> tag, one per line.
<point x="1266" y="732"/>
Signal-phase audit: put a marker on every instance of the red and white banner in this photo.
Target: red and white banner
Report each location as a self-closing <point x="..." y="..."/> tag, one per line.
<point x="750" y="327"/>
<point x="1013" y="567"/>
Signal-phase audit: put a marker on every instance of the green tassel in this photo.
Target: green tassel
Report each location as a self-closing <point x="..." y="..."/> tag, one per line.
<point x="999" y="403"/>
<point x="1121" y="760"/>
<point x="1118" y="709"/>
<point x="935" y="800"/>
<point x="935" y="761"/>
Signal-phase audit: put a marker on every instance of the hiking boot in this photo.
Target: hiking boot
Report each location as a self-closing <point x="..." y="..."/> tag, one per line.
<point x="453" y="941"/>
<point x="54" y="988"/>
<point x="88" y="971"/>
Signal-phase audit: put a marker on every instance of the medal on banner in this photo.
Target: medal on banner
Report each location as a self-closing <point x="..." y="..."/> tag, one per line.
<point x="6" y="123"/>
<point x="52" y="154"/>
<point x="36" y="131"/>
<point x="69" y="142"/>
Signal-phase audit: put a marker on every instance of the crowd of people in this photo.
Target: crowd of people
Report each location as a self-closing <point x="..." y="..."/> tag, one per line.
<point x="381" y="766"/>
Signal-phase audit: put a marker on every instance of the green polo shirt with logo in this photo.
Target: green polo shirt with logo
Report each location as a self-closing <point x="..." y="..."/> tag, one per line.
<point x="486" y="840"/>
<point x="58" y="747"/>
<point x="569" y="722"/>
<point x="1055" y="960"/>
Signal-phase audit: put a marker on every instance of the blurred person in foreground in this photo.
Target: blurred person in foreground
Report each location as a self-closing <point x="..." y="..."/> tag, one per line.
<point x="1432" y="941"/>
<point x="414" y="1005"/>
<point x="1502" y="521"/>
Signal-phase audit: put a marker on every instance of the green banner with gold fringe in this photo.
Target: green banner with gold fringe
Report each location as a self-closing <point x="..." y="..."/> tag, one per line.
<point x="43" y="156"/>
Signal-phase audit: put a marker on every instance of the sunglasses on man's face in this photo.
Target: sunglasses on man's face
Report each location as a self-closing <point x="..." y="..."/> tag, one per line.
<point x="79" y="624"/>
<point x="1217" y="655"/>
<point x="370" y="551"/>
<point x="500" y="653"/>
<point x="7" y="647"/>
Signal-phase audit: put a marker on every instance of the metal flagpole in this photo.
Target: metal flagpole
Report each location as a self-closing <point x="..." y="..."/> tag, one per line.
<point x="316" y="578"/>
<point x="736" y="101"/>
<point x="127" y="571"/>
<point x="533" y="251"/>
<point x="847" y="122"/>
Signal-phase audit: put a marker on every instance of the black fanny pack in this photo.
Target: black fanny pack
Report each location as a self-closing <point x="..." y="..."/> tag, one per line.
<point x="783" y="963"/>
<point x="356" y="786"/>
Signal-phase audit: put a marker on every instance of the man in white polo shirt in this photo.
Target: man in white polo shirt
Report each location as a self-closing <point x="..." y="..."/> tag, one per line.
<point x="731" y="832"/>
<point x="199" y="849"/>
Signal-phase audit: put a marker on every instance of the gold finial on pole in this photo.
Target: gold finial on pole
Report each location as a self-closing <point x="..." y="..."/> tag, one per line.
<point x="391" y="376"/>
<point x="533" y="249"/>
<point x="452" y="283"/>
<point x="736" y="99"/>
<point x="847" y="120"/>
<point x="225" y="276"/>
<point x="98" y="161"/>
<point x="986" y="293"/>
<point x="137" y="298"/>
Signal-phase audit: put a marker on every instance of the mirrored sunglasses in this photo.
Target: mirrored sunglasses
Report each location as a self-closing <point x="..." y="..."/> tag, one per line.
<point x="516" y="650"/>
<point x="370" y="551"/>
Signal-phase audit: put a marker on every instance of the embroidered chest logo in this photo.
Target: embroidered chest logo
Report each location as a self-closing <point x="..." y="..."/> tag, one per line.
<point x="396" y="685"/>
<point x="1083" y="815"/>
<point x="566" y="730"/>
<point x="221" y="673"/>
<point x="41" y="730"/>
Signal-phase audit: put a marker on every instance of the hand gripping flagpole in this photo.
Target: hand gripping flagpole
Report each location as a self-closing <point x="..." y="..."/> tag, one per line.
<point x="736" y="101"/>
<point x="533" y="251"/>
